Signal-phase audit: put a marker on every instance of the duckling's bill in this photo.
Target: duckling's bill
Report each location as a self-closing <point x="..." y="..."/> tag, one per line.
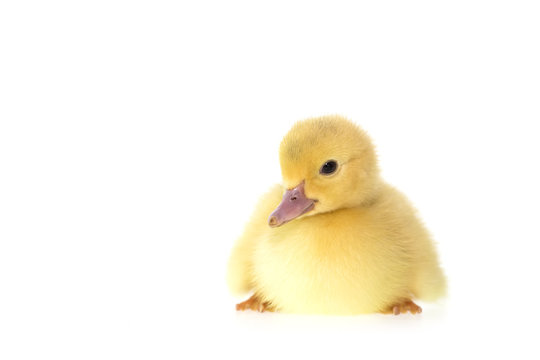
<point x="294" y="204"/>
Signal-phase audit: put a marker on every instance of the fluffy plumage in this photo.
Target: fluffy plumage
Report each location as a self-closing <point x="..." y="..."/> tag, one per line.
<point x="360" y="249"/>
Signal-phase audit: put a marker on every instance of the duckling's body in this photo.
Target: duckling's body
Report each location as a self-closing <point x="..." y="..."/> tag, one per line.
<point x="374" y="256"/>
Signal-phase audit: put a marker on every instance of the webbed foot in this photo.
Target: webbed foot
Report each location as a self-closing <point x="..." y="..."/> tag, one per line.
<point x="403" y="308"/>
<point x="254" y="303"/>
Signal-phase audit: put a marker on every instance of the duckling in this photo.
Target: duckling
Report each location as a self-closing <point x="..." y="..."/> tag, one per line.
<point x="333" y="238"/>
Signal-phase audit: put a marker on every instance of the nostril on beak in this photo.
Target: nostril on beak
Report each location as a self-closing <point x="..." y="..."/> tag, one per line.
<point x="293" y="198"/>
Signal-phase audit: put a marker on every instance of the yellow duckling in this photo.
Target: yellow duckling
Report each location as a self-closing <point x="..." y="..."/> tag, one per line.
<point x="335" y="238"/>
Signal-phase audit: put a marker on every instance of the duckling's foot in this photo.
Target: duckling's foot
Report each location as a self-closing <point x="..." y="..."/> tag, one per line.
<point x="404" y="307"/>
<point x="254" y="303"/>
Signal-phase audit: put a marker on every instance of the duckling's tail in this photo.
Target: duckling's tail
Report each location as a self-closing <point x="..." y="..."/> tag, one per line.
<point x="430" y="284"/>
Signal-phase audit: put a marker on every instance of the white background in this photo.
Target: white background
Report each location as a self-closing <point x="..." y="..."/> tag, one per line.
<point x="136" y="137"/>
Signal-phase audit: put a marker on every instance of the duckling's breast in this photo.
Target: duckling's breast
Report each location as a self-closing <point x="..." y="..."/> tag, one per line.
<point x="332" y="264"/>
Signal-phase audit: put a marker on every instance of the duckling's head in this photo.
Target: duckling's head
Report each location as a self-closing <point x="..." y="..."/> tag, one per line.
<point x="327" y="163"/>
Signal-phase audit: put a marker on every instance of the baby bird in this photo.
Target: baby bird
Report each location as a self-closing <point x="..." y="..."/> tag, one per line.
<point x="334" y="238"/>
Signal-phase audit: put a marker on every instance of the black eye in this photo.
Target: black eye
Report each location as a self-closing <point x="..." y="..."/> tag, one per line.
<point x="329" y="167"/>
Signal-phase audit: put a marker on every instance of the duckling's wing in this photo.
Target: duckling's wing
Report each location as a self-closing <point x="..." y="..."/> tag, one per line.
<point x="239" y="271"/>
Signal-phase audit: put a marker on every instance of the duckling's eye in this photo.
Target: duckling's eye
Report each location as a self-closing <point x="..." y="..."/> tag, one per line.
<point x="328" y="168"/>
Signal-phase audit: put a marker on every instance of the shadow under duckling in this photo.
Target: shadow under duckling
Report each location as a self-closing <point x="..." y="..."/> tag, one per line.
<point x="334" y="238"/>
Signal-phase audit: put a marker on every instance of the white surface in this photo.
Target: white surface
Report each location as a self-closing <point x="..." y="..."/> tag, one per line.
<point x="136" y="137"/>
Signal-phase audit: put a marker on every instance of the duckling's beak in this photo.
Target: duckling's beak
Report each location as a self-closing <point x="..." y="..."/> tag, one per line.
<point x="293" y="204"/>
